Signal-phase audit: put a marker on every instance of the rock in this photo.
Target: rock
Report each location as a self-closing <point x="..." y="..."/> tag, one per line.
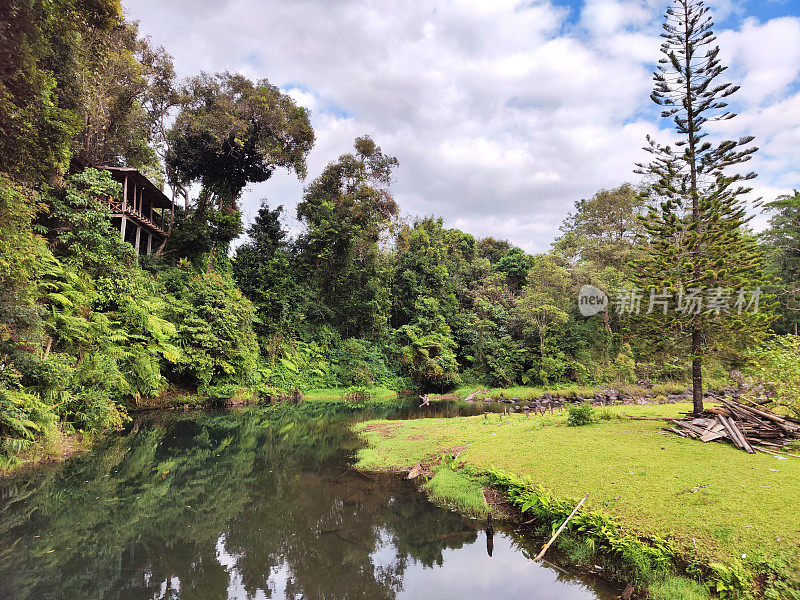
<point x="627" y="592"/>
<point x="516" y="399"/>
<point x="488" y="400"/>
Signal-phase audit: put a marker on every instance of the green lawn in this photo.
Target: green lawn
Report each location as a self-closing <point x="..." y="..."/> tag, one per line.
<point x="337" y="393"/>
<point x="709" y="499"/>
<point x="572" y="390"/>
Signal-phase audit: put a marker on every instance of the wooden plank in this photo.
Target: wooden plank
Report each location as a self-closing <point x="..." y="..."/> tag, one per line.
<point x="744" y="443"/>
<point x="710" y="436"/>
<point x="731" y="436"/>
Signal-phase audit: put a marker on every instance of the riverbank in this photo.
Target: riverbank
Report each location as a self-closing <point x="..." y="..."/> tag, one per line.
<point x="233" y="396"/>
<point x="54" y="446"/>
<point x="730" y="514"/>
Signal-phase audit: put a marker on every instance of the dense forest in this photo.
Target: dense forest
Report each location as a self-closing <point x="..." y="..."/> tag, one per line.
<point x="361" y="297"/>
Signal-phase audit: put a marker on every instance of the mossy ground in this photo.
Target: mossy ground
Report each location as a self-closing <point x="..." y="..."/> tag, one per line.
<point x="711" y="500"/>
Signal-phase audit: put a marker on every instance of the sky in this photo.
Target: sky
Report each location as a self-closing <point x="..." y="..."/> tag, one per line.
<point x="502" y="113"/>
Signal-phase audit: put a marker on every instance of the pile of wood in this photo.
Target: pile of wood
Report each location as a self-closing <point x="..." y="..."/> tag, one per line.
<point x="749" y="428"/>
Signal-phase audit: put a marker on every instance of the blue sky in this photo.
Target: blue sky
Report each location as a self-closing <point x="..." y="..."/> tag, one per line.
<point x="502" y="114"/>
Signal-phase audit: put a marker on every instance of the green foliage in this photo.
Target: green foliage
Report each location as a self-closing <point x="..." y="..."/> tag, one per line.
<point x="646" y="559"/>
<point x="39" y="89"/>
<point x="580" y="414"/>
<point x="781" y="243"/>
<point x="220" y="393"/>
<point x="357" y="393"/>
<point x="230" y="132"/>
<point x="515" y="265"/>
<point x="297" y="365"/>
<point x="213" y="327"/>
<point x="697" y="215"/>
<point x="544" y="300"/>
<point x="624" y="366"/>
<point x="426" y="265"/>
<point x="604" y="230"/>
<point x="775" y="369"/>
<point x="427" y="349"/>
<point x="123" y="81"/>
<point x="262" y="272"/>
<point x="21" y="251"/>
<point x="359" y="362"/>
<point x="347" y="210"/>
<point x="23" y="419"/>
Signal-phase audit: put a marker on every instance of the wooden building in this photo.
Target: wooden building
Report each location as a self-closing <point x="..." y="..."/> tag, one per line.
<point x="143" y="214"/>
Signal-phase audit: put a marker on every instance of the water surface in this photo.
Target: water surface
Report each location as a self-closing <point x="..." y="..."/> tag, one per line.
<point x="249" y="504"/>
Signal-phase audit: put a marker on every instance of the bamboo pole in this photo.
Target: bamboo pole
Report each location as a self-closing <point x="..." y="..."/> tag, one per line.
<point x="560" y="529"/>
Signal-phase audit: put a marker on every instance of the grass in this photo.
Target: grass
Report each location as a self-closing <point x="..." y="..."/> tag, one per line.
<point x="457" y="490"/>
<point x="337" y="393"/>
<point x="677" y="588"/>
<point x="574" y="390"/>
<point x="710" y="500"/>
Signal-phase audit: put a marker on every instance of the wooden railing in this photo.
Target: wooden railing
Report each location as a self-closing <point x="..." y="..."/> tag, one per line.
<point x="117" y="208"/>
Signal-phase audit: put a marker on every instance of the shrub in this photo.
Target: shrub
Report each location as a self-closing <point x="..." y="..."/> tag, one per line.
<point x="580" y="414"/>
<point x="624" y="367"/>
<point x="23" y="418"/>
<point x="357" y="393"/>
<point x="221" y="393"/>
<point x="776" y="368"/>
<point x="214" y="327"/>
<point x="361" y="362"/>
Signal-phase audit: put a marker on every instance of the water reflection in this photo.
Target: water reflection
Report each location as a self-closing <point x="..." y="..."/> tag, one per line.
<point x="245" y="505"/>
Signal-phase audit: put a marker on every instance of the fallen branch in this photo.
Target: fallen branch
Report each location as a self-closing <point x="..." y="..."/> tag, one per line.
<point x="560" y="529"/>
<point x="776" y="452"/>
<point x="474" y="394"/>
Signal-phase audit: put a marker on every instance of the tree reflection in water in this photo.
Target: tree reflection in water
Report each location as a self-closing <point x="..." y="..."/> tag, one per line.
<point x="246" y="504"/>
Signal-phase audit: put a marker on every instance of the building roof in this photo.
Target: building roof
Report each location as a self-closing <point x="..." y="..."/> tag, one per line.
<point x="153" y="195"/>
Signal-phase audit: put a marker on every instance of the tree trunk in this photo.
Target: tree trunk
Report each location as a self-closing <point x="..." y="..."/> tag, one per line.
<point x="697" y="373"/>
<point x="697" y="342"/>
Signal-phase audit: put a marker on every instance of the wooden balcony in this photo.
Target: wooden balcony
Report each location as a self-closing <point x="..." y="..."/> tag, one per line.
<point x="143" y="214"/>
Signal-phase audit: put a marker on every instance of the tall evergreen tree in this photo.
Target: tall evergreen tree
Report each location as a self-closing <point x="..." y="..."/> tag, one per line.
<point x="262" y="271"/>
<point x="347" y="212"/>
<point x="697" y="218"/>
<point x="782" y="244"/>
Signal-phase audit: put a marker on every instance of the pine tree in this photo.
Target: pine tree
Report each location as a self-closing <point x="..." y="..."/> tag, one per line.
<point x="697" y="218"/>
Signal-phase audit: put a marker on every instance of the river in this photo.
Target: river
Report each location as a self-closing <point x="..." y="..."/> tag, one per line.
<point x="251" y="504"/>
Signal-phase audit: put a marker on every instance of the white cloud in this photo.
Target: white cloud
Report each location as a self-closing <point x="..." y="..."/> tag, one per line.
<point x="766" y="56"/>
<point x="502" y="113"/>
